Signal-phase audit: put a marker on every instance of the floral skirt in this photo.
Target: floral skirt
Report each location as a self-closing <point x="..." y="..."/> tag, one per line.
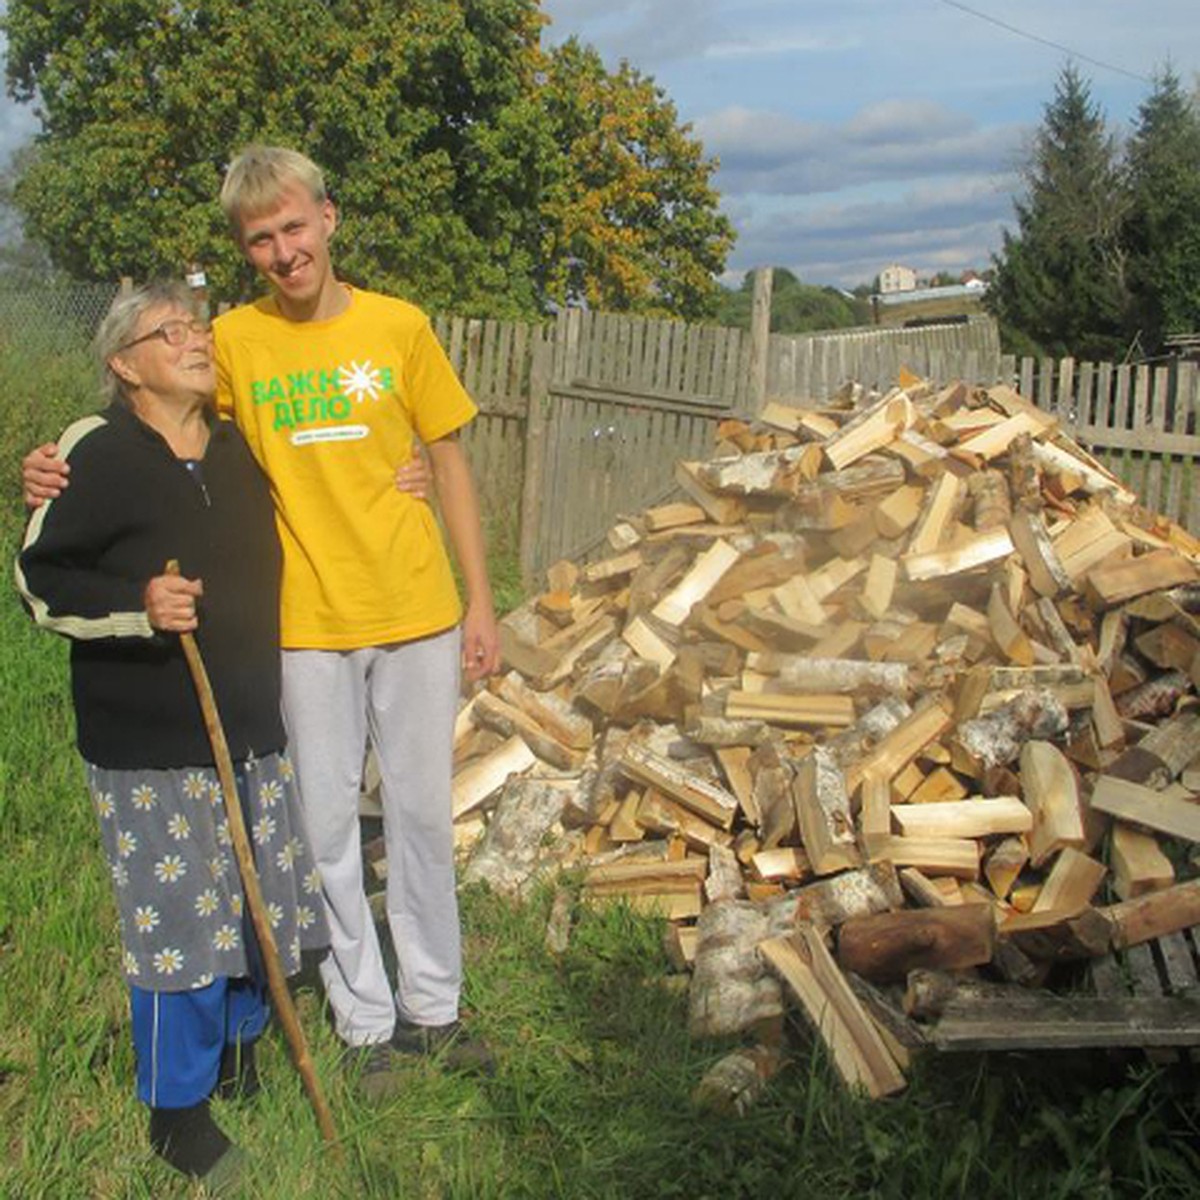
<point x="183" y="916"/>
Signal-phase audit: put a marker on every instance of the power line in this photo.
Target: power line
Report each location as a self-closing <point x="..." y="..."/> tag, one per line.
<point x="1033" y="37"/>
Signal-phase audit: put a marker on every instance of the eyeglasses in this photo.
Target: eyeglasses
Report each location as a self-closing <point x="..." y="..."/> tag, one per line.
<point x="173" y="331"/>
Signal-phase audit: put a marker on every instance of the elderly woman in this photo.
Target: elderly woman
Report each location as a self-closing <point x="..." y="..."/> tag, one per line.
<point x="155" y="477"/>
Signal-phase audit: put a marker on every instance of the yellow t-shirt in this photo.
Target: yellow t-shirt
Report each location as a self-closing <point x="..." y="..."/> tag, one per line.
<point x="330" y="409"/>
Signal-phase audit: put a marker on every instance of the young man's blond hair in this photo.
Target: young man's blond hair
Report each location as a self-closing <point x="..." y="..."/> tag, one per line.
<point x="259" y="175"/>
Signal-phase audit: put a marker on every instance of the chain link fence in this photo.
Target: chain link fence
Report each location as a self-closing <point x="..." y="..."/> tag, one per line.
<point x="37" y="312"/>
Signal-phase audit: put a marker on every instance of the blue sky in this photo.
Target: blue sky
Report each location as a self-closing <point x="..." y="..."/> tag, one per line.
<point x="856" y="133"/>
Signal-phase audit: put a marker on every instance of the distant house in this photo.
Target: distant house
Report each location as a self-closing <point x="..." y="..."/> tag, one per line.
<point x="897" y="278"/>
<point x="929" y="306"/>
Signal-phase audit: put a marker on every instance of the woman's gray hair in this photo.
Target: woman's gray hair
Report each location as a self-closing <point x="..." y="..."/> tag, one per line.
<point x="120" y="326"/>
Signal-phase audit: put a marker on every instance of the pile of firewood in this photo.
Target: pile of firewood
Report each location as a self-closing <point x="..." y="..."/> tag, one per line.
<point x="903" y="682"/>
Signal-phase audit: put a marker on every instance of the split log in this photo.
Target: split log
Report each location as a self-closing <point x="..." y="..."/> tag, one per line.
<point x="731" y="990"/>
<point x="735" y="1083"/>
<point x="1004" y="863"/>
<point x="1051" y="790"/>
<point x="1138" y="863"/>
<point x="698" y="795"/>
<point x="798" y="673"/>
<point x="513" y="845"/>
<point x="675" y="607"/>
<point x="857" y="893"/>
<point x="996" y="739"/>
<point x="1073" y="881"/>
<point x="873" y="428"/>
<point x="475" y="783"/>
<point x="1160" y="756"/>
<point x="1058" y="936"/>
<point x="823" y="813"/>
<point x="1143" y="806"/>
<point x="549" y="710"/>
<point x="493" y="713"/>
<point x="886" y="946"/>
<point x="975" y="818"/>
<point x="856" y="1047"/>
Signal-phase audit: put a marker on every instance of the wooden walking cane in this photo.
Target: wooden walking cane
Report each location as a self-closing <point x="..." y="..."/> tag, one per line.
<point x="280" y="996"/>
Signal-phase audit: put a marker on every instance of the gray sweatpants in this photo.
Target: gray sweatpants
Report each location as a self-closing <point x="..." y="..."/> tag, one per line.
<point x="403" y="697"/>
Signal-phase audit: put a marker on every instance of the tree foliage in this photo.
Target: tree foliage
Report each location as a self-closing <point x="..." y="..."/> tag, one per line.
<point x="1163" y="228"/>
<point x="1061" y="279"/>
<point x="474" y="171"/>
<point x="795" y="307"/>
<point x="1106" y="257"/>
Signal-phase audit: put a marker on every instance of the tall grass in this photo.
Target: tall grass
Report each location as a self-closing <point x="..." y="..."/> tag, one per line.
<point x="591" y="1098"/>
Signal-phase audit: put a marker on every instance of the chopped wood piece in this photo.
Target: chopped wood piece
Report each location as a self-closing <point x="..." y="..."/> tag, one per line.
<point x="1138" y="863"/>
<point x="784" y="862"/>
<point x="667" y="516"/>
<point x="875" y="818"/>
<point x="896" y="513"/>
<point x="831" y="901"/>
<point x="835" y="711"/>
<point x="1006" y="630"/>
<point x="855" y="1045"/>
<point x="940" y="504"/>
<point x="1087" y="541"/>
<point x="656" y="813"/>
<point x="975" y="818"/>
<point x="1154" y="914"/>
<point x="934" y="856"/>
<point x="978" y="551"/>
<point x="475" y="783"/>
<point x="1058" y="936"/>
<point x="823" y="813"/>
<point x="886" y="946"/>
<point x="993" y="504"/>
<point x="880" y="585"/>
<point x="1051" y="790"/>
<point x="898" y="748"/>
<point x="996" y="738"/>
<point x="646" y="643"/>
<point x="698" y="795"/>
<point x="1143" y="806"/>
<point x="1004" y="863"/>
<point x="1110" y="585"/>
<point x="674" y="608"/>
<point x="549" y="710"/>
<point x="801" y="673"/>
<point x="610" y="568"/>
<point x="724" y="510"/>
<point x="1071" y="884"/>
<point x="506" y="719"/>
<point x="873" y="428"/>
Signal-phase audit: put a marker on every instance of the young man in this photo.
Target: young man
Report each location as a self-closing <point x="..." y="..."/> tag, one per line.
<point x="331" y="385"/>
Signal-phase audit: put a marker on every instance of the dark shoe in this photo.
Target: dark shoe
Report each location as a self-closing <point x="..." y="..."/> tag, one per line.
<point x="450" y="1045"/>
<point x="192" y="1142"/>
<point x="378" y="1074"/>
<point x="238" y="1078"/>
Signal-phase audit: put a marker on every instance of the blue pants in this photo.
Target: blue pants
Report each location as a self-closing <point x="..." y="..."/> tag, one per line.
<point x="179" y="1036"/>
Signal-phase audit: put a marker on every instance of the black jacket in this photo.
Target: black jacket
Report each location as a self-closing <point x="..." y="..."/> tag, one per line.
<point x="130" y="506"/>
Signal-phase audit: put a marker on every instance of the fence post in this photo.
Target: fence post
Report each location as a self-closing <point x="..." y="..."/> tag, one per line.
<point x="760" y="337"/>
<point x="535" y="436"/>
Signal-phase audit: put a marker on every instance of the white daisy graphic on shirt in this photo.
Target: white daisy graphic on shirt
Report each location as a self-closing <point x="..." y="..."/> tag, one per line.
<point x="179" y="827"/>
<point x="204" y="980"/>
<point x="131" y="964"/>
<point x="360" y="380"/>
<point x="143" y="797"/>
<point x="224" y="837"/>
<point x="104" y="804"/>
<point x="168" y="961"/>
<point x="170" y="869"/>
<point x="305" y="917"/>
<point x="270" y="793"/>
<point x="264" y="829"/>
<point x="127" y="843"/>
<point x="312" y="882"/>
<point x="274" y="914"/>
<point x="286" y="771"/>
<point x="215" y="795"/>
<point x="226" y="938"/>
<point x="146" y="918"/>
<point x="207" y="902"/>
<point x="120" y="874"/>
<point x="217" y="866"/>
<point x="195" y="786"/>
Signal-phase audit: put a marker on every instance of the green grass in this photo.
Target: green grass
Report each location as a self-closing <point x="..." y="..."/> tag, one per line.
<point x="591" y="1098"/>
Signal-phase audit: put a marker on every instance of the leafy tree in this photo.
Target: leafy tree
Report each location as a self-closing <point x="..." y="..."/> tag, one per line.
<point x="1061" y="279"/>
<point x="440" y="125"/>
<point x="631" y="217"/>
<point x="1163" y="229"/>
<point x="795" y="307"/>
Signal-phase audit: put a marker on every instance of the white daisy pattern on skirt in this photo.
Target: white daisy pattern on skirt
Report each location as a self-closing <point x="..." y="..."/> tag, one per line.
<point x="180" y="905"/>
<point x="168" y="961"/>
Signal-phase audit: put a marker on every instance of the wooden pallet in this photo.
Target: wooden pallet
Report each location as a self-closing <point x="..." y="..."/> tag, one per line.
<point x="1147" y="996"/>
